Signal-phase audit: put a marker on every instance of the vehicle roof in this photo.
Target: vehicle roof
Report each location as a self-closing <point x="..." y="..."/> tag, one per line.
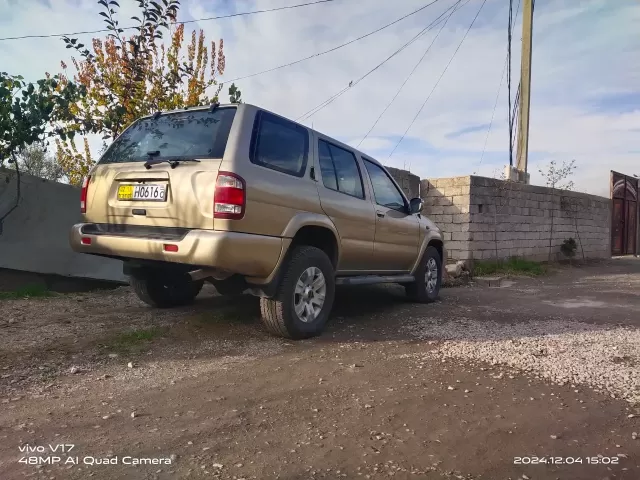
<point x="333" y="139"/>
<point x="256" y="107"/>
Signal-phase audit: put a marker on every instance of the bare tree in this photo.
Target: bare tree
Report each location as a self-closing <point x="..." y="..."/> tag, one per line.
<point x="34" y="160"/>
<point x="557" y="178"/>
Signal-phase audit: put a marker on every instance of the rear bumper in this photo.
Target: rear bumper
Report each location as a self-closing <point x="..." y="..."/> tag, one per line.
<point x="239" y="253"/>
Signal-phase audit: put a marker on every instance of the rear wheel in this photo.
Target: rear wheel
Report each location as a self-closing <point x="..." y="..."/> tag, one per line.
<point x="304" y="297"/>
<point x="426" y="287"/>
<point x="165" y="290"/>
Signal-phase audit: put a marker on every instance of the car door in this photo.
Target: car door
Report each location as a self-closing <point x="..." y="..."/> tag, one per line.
<point x="343" y="199"/>
<point x="397" y="231"/>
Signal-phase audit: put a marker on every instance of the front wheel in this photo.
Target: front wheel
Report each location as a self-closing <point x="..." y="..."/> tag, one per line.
<point x="426" y="287"/>
<point x="165" y="290"/>
<point x="304" y="298"/>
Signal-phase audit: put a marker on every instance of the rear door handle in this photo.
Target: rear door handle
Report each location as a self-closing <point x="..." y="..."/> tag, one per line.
<point x="379" y="213"/>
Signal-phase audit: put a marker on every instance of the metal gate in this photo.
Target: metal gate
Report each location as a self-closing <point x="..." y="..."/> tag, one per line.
<point x="624" y="214"/>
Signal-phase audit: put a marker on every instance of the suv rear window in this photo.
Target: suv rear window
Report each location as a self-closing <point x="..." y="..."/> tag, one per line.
<point x="180" y="135"/>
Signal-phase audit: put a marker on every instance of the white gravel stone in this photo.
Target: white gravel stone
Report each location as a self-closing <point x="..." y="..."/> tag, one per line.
<point x="561" y="351"/>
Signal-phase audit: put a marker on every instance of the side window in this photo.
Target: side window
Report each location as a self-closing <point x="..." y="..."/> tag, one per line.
<point x="384" y="190"/>
<point x="339" y="170"/>
<point x="280" y="145"/>
<point x="326" y="166"/>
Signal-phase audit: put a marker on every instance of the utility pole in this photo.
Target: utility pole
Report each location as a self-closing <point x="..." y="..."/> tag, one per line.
<point x="522" y="155"/>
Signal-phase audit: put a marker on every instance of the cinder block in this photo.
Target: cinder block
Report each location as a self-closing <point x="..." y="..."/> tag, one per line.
<point x="464" y="255"/>
<point x="461" y="199"/>
<point x="462" y="182"/>
<point x="444" y="182"/>
<point x="433" y="210"/>
<point x="457" y="245"/>
<point x="450" y="210"/>
<point x="444" y="201"/>
<point x="463" y="236"/>
<point x="475" y="218"/>
<point x="462" y="218"/>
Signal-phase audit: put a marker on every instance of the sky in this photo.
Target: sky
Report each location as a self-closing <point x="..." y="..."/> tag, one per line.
<point x="585" y="92"/>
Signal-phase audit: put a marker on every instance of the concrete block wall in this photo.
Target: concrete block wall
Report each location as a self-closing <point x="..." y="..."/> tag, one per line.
<point x="484" y="218"/>
<point x="446" y="203"/>
<point x="35" y="236"/>
<point x="409" y="182"/>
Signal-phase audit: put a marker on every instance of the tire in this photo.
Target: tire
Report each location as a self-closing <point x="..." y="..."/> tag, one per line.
<point x="165" y="291"/>
<point x="420" y="291"/>
<point x="279" y="313"/>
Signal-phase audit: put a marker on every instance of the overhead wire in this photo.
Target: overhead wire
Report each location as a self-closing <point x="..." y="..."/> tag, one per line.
<point x="353" y="83"/>
<point x="338" y="47"/>
<point x="514" y="118"/>
<point x="509" y="34"/>
<point x="219" y="17"/>
<point x="439" y="78"/>
<point x="410" y="74"/>
<point x="495" y="105"/>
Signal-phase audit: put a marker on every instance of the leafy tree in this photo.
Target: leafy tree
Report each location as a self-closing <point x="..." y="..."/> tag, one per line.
<point x="129" y="77"/>
<point x="235" y="94"/>
<point x="33" y="112"/>
<point x="35" y="161"/>
<point x="75" y="164"/>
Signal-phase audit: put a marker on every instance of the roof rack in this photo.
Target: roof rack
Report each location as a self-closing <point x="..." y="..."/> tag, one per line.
<point x="157" y="115"/>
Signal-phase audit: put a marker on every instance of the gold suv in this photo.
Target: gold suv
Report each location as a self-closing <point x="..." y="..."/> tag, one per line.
<point x="249" y="200"/>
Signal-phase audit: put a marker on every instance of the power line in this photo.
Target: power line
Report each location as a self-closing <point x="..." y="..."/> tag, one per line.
<point x="438" y="81"/>
<point x="410" y="74"/>
<point x="219" y="17"/>
<point x="515" y="119"/>
<point x="495" y="105"/>
<point x="493" y="113"/>
<point x="325" y="103"/>
<point x="509" y="34"/>
<point x="334" y="48"/>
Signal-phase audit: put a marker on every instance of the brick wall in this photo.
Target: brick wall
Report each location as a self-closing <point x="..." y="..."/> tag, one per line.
<point x="475" y="211"/>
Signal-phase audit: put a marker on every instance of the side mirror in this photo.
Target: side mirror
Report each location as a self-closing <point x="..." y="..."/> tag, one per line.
<point x="415" y="205"/>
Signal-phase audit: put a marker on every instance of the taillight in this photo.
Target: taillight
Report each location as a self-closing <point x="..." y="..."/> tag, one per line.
<point x="230" y="196"/>
<point x="83" y="194"/>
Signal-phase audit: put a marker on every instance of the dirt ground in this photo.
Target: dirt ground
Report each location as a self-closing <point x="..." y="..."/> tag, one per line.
<point x="384" y="392"/>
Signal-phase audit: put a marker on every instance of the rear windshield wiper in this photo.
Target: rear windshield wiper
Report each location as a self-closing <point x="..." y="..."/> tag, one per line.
<point x="173" y="162"/>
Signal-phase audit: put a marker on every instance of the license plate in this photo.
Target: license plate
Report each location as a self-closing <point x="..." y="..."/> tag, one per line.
<point x="142" y="192"/>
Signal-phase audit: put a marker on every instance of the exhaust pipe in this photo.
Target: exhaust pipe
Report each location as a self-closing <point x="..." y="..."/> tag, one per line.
<point x="208" y="273"/>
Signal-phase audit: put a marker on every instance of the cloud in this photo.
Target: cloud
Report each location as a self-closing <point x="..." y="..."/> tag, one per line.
<point x="585" y="102"/>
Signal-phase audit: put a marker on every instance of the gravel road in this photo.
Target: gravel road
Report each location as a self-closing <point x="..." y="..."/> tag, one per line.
<point x="459" y="389"/>
<point x="605" y="358"/>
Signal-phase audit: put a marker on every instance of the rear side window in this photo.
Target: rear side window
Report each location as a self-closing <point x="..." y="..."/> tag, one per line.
<point x="280" y="144"/>
<point x="384" y="190"/>
<point x="339" y="169"/>
<point x="180" y="135"/>
<point x="326" y="166"/>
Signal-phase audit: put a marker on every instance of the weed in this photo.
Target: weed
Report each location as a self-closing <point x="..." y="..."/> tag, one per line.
<point x="513" y="266"/>
<point x="134" y="338"/>
<point x="28" y="291"/>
